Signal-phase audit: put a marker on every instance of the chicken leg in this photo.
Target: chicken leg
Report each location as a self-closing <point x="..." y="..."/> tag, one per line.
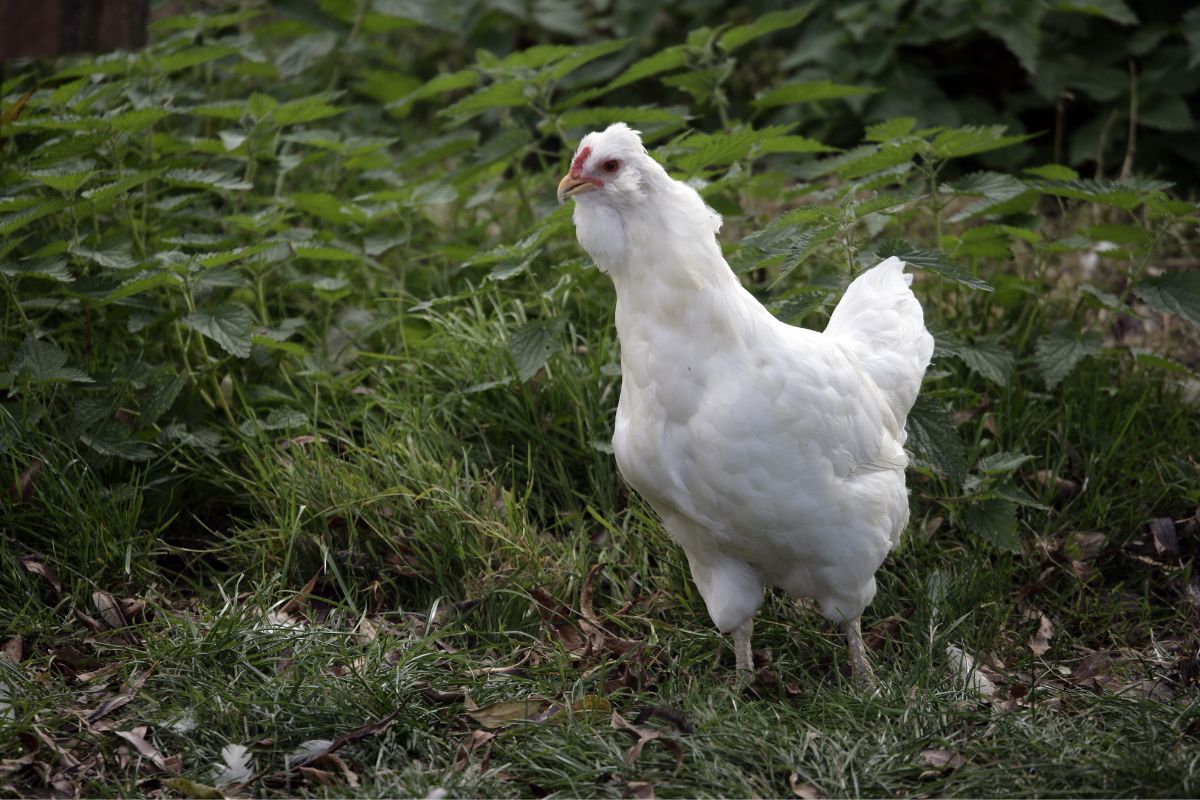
<point x="860" y="666"/>
<point x="741" y="649"/>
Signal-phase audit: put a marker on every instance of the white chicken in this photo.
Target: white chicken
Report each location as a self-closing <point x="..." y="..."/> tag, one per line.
<point x="774" y="454"/>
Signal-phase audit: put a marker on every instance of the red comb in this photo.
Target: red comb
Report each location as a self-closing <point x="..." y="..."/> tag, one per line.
<point x="577" y="164"/>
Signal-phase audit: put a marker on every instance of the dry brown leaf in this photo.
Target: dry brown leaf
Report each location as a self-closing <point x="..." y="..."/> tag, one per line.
<point x="1085" y="545"/>
<point x="645" y="735"/>
<point x="14" y="649"/>
<point x="967" y="668"/>
<point x="474" y="742"/>
<point x="803" y="790"/>
<point x="109" y="706"/>
<point x="137" y="738"/>
<point x="942" y="759"/>
<point x="439" y="696"/>
<point x="318" y="776"/>
<point x="1039" y="643"/>
<point x="1166" y="541"/>
<point x="640" y="790"/>
<point x="26" y="480"/>
<point x="109" y="608"/>
<point x="497" y="715"/>
<point x="190" y="788"/>
<point x="44" y="570"/>
<point x="300" y="599"/>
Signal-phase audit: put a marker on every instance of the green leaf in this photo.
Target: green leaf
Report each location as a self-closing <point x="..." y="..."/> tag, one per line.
<point x="446" y="82"/>
<point x="503" y="94"/>
<point x="1002" y="463"/>
<point x="306" y="109"/>
<point x="986" y="356"/>
<point x="888" y="130"/>
<point x="229" y="325"/>
<point x="100" y="195"/>
<point x="718" y="149"/>
<point x="971" y="140"/>
<point x="110" y="438"/>
<point x="322" y="252"/>
<point x="793" y="93"/>
<point x="191" y="57"/>
<point x="869" y="159"/>
<point x="9" y="223"/>
<point x="804" y="246"/>
<point x="580" y="56"/>
<point x="996" y="521"/>
<point x="207" y="179"/>
<point x="1126" y="195"/>
<point x="794" y="309"/>
<point x="792" y="144"/>
<point x="42" y="361"/>
<point x="1053" y="172"/>
<point x="1114" y="10"/>
<point x="66" y="178"/>
<point x="159" y="396"/>
<point x="142" y="282"/>
<point x="662" y="61"/>
<point x="115" y="255"/>
<point x="1061" y="349"/>
<point x="932" y="260"/>
<point x="934" y="440"/>
<point x="138" y="119"/>
<point x="995" y="189"/>
<point x="767" y="24"/>
<point x="1175" y="292"/>
<point x="532" y="345"/>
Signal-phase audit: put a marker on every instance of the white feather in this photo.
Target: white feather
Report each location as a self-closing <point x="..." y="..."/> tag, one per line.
<point x="774" y="454"/>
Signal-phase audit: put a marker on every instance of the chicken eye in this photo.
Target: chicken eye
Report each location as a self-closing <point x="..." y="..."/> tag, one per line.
<point x="610" y="166"/>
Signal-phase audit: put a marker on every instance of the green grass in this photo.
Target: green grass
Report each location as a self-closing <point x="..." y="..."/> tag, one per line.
<point x="359" y="498"/>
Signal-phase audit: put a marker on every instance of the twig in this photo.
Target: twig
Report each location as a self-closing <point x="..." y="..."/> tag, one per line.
<point x="1131" y="145"/>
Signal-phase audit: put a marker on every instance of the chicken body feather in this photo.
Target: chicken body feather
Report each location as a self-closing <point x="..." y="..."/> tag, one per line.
<point x="774" y="454"/>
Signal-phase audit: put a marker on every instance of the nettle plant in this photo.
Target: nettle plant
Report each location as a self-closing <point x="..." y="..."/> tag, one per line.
<point x="907" y="191"/>
<point x="188" y="232"/>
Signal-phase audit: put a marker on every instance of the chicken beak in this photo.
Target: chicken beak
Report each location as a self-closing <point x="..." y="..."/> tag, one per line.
<point x="571" y="185"/>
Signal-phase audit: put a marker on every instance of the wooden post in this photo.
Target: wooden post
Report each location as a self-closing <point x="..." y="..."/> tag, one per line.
<point x="36" y="28"/>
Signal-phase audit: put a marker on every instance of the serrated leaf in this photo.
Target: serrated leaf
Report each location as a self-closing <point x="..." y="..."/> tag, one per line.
<point x="502" y="94"/>
<point x="888" y="130"/>
<point x="579" y="56"/>
<point x="803" y="246"/>
<point x="206" y="179"/>
<point x="109" y="438"/>
<point x="995" y="188"/>
<point x="115" y="255"/>
<point x="972" y="140"/>
<point x="1053" y="172"/>
<point x="229" y="325"/>
<point x="1175" y="292"/>
<point x="793" y="93"/>
<point x="42" y="361"/>
<point x="66" y="178"/>
<point x="102" y="194"/>
<point x="986" y="356"/>
<point x="869" y="159"/>
<point x="159" y="397"/>
<point x="1125" y="195"/>
<point x="138" y="119"/>
<point x="142" y="282"/>
<point x="191" y="57"/>
<point x="719" y="149"/>
<point x="306" y="109"/>
<point x="1114" y="10"/>
<point x="532" y="345"/>
<point x="1002" y="463"/>
<point x="932" y="260"/>
<point x="322" y="252"/>
<point x="217" y="259"/>
<point x="996" y="521"/>
<point x="52" y="268"/>
<point x="792" y="144"/>
<point x="768" y="23"/>
<point x="446" y="82"/>
<point x="794" y="309"/>
<point x="934" y="440"/>
<point x="10" y="223"/>
<point x="663" y="61"/>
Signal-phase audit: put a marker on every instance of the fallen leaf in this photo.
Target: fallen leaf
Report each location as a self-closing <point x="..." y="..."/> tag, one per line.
<point x="109" y="706"/>
<point x="137" y="738"/>
<point x="643" y="736"/>
<point x="1166" y="541"/>
<point x="641" y="790"/>
<point x="1085" y="545"/>
<point x="190" y="788"/>
<point x="318" y="776"/>
<point x="44" y="570"/>
<point x="14" y="649"/>
<point x="109" y="608"/>
<point x="238" y="765"/>
<point x="23" y="490"/>
<point x="439" y="695"/>
<point x="942" y="759"/>
<point x="1039" y="643"/>
<point x="476" y="740"/>
<point x="966" y="668"/>
<point x="497" y="715"/>
<point x="299" y="599"/>
<point x="803" y="790"/>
